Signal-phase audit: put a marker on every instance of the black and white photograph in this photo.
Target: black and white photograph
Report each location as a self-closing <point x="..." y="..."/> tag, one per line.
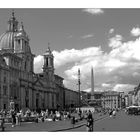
<point x="70" y="70"/>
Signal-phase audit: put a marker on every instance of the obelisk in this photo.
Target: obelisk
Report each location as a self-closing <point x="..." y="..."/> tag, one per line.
<point x="92" y="84"/>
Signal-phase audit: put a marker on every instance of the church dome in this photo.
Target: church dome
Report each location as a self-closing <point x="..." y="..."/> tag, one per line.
<point x="15" y="38"/>
<point x="7" y="40"/>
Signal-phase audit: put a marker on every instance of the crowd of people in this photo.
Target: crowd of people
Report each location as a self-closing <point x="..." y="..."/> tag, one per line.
<point x="17" y="117"/>
<point x="48" y="115"/>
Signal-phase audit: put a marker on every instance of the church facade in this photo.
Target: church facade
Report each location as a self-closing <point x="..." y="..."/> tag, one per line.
<point x="18" y="82"/>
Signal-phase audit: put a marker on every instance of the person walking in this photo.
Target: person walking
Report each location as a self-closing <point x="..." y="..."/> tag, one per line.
<point x="114" y="113"/>
<point x="110" y="113"/>
<point x="90" y="121"/>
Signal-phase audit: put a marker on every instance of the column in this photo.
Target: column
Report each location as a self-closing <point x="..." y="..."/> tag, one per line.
<point x="50" y="100"/>
<point x="22" y="97"/>
<point x="30" y="98"/>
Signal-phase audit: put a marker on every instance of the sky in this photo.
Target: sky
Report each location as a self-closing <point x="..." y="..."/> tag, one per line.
<point x="106" y="39"/>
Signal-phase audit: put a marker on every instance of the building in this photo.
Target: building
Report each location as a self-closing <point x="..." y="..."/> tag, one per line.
<point x="85" y="95"/>
<point x="134" y="96"/>
<point x="111" y="99"/>
<point x="97" y="100"/>
<point x="18" y="82"/>
<point x="127" y="100"/>
<point x="71" y="98"/>
<point x="60" y="96"/>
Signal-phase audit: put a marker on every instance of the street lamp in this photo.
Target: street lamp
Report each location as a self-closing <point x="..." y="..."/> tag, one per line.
<point x="79" y="83"/>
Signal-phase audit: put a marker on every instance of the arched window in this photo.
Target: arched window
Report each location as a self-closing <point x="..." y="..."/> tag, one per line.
<point x="46" y="61"/>
<point x="4" y="90"/>
<point x="18" y="41"/>
<point x="4" y="80"/>
<point x="25" y="65"/>
<point x="26" y="97"/>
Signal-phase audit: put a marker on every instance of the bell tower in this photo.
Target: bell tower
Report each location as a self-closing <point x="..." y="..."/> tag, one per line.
<point x="48" y="66"/>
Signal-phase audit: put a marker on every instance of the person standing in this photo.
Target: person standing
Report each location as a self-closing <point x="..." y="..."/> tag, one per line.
<point x="13" y="115"/>
<point x="46" y="113"/>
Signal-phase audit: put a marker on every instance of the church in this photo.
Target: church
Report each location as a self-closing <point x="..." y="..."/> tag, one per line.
<point x="18" y="82"/>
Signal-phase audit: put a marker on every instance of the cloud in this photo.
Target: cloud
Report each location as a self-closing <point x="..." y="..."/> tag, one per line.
<point x="123" y="87"/>
<point x="135" y="31"/>
<point x="96" y="89"/>
<point x="87" y="36"/>
<point x="127" y="51"/>
<point x="115" y="41"/>
<point x="94" y="11"/>
<point x="111" y="31"/>
<point x="87" y="90"/>
<point x="70" y="36"/>
<point x="105" y="85"/>
<point x="71" y="56"/>
<point x="114" y="63"/>
<point x="135" y="74"/>
<point x="118" y="69"/>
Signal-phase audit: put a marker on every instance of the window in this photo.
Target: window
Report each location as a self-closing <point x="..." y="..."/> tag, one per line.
<point x="4" y="80"/>
<point x="26" y="98"/>
<point x="31" y="65"/>
<point x="25" y="65"/>
<point x="26" y="92"/>
<point x="18" y="41"/>
<point x="51" y="62"/>
<point x="25" y="43"/>
<point x="4" y="90"/>
<point x="46" y="61"/>
<point x="4" y="106"/>
<point x="52" y="100"/>
<point x="27" y="103"/>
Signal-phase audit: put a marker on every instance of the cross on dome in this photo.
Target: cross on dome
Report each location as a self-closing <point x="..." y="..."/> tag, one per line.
<point x="49" y="46"/>
<point x="13" y="13"/>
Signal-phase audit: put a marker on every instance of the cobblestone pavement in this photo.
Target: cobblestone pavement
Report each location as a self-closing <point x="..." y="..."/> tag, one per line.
<point x="121" y="123"/>
<point x="49" y="126"/>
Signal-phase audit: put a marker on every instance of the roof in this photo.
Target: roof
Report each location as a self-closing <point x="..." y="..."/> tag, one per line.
<point x="59" y="77"/>
<point x="7" y="40"/>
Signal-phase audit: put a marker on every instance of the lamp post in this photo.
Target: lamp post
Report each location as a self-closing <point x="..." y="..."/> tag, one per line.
<point x="79" y="83"/>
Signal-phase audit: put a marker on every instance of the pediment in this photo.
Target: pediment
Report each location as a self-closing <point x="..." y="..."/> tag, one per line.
<point x="38" y="82"/>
